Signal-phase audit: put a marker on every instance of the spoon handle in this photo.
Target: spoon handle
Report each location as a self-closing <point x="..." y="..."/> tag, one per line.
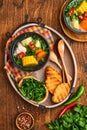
<point x="61" y="49"/>
<point x="68" y="77"/>
<point x="58" y="64"/>
<point x="54" y="59"/>
<point x="63" y="74"/>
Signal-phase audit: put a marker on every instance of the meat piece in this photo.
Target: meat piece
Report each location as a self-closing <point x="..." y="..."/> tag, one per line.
<point x="53" y="79"/>
<point x="61" y="92"/>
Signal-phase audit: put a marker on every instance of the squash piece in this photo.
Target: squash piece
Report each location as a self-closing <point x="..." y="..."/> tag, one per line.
<point x="83" y="25"/>
<point x="38" y="44"/>
<point x="41" y="55"/>
<point x="75" y="23"/>
<point x="38" y="51"/>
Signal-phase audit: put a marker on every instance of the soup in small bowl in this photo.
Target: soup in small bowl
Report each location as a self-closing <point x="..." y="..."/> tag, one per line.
<point x="75" y="15"/>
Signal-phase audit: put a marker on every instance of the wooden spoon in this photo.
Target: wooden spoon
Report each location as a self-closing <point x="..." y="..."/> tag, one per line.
<point x="54" y="59"/>
<point x="61" y="49"/>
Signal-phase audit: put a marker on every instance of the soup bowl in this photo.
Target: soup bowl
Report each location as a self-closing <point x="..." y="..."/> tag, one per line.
<point x="29" y="51"/>
<point x="75" y="16"/>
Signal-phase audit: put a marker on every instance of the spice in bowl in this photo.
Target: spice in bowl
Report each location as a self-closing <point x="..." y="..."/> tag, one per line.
<point x="24" y="121"/>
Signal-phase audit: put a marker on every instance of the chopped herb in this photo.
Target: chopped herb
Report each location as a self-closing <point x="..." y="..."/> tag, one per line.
<point x="74" y="3"/>
<point x="44" y="46"/>
<point x="43" y="43"/>
<point x="18" y="60"/>
<point x="33" y="89"/>
<point x="30" y="52"/>
<point x="43" y="59"/>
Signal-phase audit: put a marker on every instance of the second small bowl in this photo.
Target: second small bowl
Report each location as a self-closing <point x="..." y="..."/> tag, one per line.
<point x="24" y="121"/>
<point x="73" y="15"/>
<point x="41" y="93"/>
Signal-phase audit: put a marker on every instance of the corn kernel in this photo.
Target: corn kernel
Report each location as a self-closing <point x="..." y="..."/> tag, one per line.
<point x="29" y="60"/>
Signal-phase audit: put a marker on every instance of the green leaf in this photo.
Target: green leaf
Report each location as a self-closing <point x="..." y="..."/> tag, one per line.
<point x="18" y="60"/>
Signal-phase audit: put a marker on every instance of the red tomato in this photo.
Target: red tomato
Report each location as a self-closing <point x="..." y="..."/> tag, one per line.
<point x="81" y="17"/>
<point x="21" y="54"/>
<point x="85" y="17"/>
<point x="85" y="14"/>
<point x="71" y="12"/>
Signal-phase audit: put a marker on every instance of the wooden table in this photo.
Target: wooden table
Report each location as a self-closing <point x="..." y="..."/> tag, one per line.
<point x="12" y="14"/>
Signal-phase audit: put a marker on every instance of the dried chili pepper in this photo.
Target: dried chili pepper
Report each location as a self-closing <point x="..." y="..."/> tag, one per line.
<point x="67" y="108"/>
<point x="77" y="95"/>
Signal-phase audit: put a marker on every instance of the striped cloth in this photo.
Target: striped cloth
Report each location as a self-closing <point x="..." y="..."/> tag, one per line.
<point x="15" y="73"/>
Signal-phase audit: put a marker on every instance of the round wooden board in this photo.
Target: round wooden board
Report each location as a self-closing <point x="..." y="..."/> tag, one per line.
<point x="69" y="33"/>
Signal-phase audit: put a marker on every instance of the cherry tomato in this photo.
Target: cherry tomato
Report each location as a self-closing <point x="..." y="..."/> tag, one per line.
<point x="85" y="14"/>
<point x="85" y="18"/>
<point x="71" y="12"/>
<point x="21" y="54"/>
<point x="81" y="17"/>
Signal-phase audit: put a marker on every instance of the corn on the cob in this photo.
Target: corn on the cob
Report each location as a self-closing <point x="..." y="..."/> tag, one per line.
<point x="29" y="60"/>
<point x="83" y="7"/>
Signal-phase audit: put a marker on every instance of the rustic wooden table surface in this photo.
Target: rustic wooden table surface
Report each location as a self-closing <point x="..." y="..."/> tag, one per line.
<point x="12" y="14"/>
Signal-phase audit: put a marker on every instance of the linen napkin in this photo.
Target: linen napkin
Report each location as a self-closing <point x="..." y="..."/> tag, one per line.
<point x="15" y="73"/>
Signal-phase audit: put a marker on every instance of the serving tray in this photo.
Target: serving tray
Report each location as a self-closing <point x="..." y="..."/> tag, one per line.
<point x="40" y="74"/>
<point x="69" y="33"/>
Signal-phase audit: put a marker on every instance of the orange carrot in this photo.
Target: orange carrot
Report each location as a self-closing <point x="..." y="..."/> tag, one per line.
<point x="41" y="55"/>
<point x="83" y="25"/>
<point x="38" y="51"/>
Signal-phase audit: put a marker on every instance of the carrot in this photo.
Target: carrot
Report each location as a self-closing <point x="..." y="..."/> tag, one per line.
<point x="83" y="25"/>
<point x="38" y="51"/>
<point x="41" y="55"/>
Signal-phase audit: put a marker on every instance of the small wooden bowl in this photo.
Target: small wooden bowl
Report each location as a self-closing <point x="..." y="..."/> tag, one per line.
<point x="31" y="122"/>
<point x="46" y="96"/>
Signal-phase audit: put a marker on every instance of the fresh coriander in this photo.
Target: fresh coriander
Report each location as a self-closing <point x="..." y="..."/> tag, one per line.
<point x="33" y="89"/>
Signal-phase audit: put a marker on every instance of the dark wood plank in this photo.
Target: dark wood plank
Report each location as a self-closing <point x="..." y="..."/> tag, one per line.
<point x="11" y="16"/>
